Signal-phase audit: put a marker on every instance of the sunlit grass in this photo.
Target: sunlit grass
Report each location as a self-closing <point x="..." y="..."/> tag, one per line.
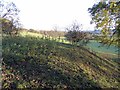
<point x="35" y="62"/>
<point x="27" y="33"/>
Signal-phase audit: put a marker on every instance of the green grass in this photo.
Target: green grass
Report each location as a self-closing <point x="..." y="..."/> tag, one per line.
<point x="31" y="34"/>
<point x="27" y="33"/>
<point x="32" y="62"/>
<point x="96" y="46"/>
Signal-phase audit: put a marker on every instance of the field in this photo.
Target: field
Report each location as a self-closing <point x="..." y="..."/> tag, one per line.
<point x="35" y="62"/>
<point x="96" y="46"/>
<point x="93" y="45"/>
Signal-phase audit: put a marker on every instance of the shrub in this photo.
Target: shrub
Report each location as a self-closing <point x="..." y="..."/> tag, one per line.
<point x="75" y="34"/>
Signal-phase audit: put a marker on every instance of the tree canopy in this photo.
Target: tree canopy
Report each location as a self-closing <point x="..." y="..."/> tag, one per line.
<point x="75" y="34"/>
<point x="106" y="16"/>
<point x="9" y="17"/>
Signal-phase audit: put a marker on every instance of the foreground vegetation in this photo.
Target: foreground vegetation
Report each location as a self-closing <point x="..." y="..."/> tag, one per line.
<point x="34" y="62"/>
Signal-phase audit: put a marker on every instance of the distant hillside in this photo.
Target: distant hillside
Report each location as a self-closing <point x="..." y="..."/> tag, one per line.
<point x="94" y="32"/>
<point x="98" y="32"/>
<point x="51" y="33"/>
<point x="32" y="62"/>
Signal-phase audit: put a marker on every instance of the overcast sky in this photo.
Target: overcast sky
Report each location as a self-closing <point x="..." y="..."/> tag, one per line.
<point x="47" y="14"/>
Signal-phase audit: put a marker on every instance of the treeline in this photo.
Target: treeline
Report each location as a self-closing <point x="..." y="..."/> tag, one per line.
<point x="51" y="33"/>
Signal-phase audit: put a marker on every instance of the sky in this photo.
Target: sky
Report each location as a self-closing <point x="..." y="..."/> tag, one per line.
<point x="48" y="14"/>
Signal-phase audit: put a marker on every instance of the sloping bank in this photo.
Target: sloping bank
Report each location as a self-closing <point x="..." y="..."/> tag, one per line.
<point x="32" y="62"/>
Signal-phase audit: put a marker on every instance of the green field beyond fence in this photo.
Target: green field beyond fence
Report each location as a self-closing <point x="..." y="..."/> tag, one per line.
<point x="96" y="46"/>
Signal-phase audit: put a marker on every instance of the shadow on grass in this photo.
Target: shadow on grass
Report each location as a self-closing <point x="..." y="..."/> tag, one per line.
<point x="29" y="63"/>
<point x="103" y="66"/>
<point x="32" y="74"/>
<point x="85" y="54"/>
